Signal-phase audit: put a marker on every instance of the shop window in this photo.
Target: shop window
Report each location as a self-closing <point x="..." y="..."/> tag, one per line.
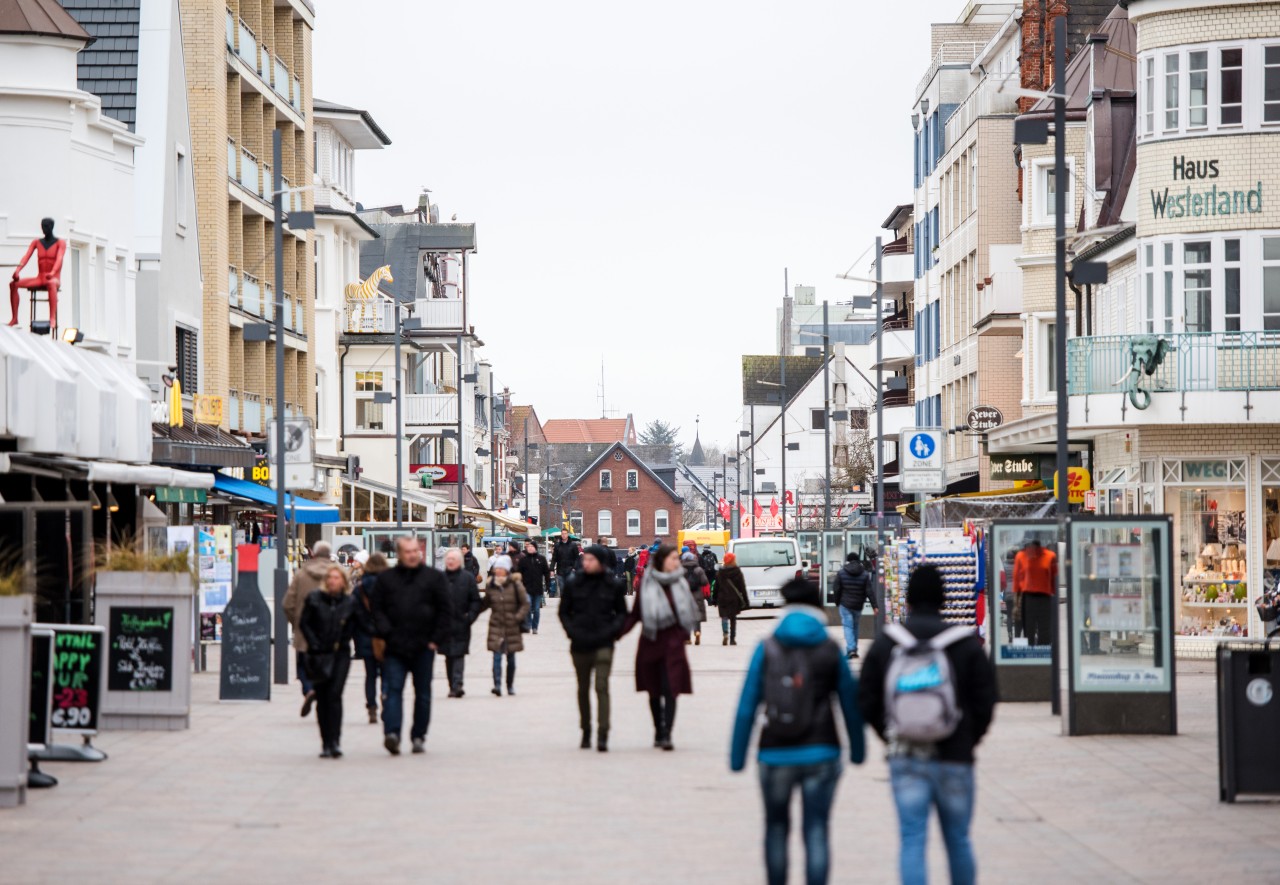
<point x="1231" y="85"/>
<point x="1271" y="283"/>
<point x="1149" y="96"/>
<point x="1198" y="89"/>
<point x="1271" y="84"/>
<point x="604" y="523"/>
<point x="1197" y="276"/>
<point x="633" y="523"/>
<point x="1231" y="286"/>
<point x="1212" y="560"/>
<point x="1171" y="79"/>
<point x="661" y="523"/>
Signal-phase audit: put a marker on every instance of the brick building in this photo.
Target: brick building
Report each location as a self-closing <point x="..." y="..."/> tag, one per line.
<point x="619" y="496"/>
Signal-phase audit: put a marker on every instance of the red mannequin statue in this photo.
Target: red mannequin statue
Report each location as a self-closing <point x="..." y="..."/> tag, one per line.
<point x="49" y="252"/>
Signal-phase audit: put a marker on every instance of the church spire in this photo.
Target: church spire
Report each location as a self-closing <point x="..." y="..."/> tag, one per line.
<point x="696" y="457"/>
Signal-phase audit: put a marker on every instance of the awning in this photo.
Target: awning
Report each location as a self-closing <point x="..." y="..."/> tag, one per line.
<point x="146" y="475"/>
<point x="476" y="513"/>
<point x="300" y="510"/>
<point x="198" y="445"/>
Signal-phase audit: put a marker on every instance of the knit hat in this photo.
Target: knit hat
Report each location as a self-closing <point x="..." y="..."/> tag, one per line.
<point x="688" y="557"/>
<point x="731" y="559"/>
<point x="602" y="554"/>
<point x="925" y="588"/>
<point x="362" y="557"/>
<point x="798" y="591"/>
<point x="503" y="562"/>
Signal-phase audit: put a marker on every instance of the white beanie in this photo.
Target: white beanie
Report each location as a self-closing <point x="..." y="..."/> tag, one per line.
<point x="362" y="557"/>
<point x="503" y="562"/>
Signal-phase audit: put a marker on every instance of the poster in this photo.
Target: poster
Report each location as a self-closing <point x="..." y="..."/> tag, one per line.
<point x="213" y="544"/>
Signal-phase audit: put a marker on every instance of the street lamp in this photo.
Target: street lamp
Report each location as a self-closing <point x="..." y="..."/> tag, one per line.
<point x="878" y="282"/>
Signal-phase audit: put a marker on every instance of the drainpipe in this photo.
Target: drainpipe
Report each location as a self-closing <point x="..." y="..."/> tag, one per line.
<point x="342" y="399"/>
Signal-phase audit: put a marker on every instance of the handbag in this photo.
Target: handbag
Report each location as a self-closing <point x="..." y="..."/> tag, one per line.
<point x="379" y="649"/>
<point x="320" y="665"/>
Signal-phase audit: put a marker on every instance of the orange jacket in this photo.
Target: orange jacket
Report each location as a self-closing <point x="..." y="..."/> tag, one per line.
<point x="1035" y="572"/>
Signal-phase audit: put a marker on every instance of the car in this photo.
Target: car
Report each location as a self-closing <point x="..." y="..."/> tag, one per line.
<point x="767" y="564"/>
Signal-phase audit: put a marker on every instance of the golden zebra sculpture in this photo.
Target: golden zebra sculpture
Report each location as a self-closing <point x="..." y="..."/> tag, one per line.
<point x="364" y="293"/>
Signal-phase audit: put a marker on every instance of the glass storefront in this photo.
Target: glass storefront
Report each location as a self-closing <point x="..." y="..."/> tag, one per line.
<point x="1212" y="562"/>
<point x="1023" y="557"/>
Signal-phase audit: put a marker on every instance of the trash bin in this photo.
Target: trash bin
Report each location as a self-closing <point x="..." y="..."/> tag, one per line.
<point x="1248" y="720"/>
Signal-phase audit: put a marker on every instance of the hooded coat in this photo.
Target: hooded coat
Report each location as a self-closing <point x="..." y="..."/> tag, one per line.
<point x="853" y="587"/>
<point x="731" y="591"/>
<point x="308" y="577"/>
<point x="508" y="605"/>
<point x="662" y="654"/>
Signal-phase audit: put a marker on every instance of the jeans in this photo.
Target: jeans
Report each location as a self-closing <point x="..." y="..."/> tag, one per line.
<point x="919" y="785"/>
<point x="371" y="670"/>
<point x="729" y="626"/>
<point x="535" y="611"/>
<point x="511" y="670"/>
<point x="817" y="784"/>
<point x="849" y="619"/>
<point x="300" y="663"/>
<point x="584" y="662"/>
<point x="395" y="672"/>
<point x="454" y="669"/>
<point x="329" y="702"/>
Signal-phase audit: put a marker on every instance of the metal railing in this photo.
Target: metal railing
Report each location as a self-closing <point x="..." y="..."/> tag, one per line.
<point x="437" y="314"/>
<point x="950" y="53"/>
<point x="251" y="295"/>
<point x="288" y="312"/>
<point x="233" y="156"/>
<point x="265" y="190"/>
<point x="231" y="30"/>
<point x="264" y="64"/>
<point x="280" y="83"/>
<point x="295" y="98"/>
<point x="249" y="171"/>
<point x="233" y="412"/>
<point x="252" y="416"/>
<point x="983" y="101"/>
<point x="299" y="325"/>
<point x="1196" y="361"/>
<point x="247" y="45"/>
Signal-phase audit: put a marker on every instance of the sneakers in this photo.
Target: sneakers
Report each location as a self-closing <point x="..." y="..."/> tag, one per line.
<point x="392" y="743"/>
<point x="726" y="639"/>
<point x="851" y="656"/>
<point x="419" y="745"/>
<point x="307" y="700"/>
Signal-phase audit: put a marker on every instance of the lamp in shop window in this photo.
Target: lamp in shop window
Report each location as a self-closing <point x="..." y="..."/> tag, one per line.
<point x="1273" y="550"/>
<point x="1211" y="551"/>
<point x="94" y="501"/>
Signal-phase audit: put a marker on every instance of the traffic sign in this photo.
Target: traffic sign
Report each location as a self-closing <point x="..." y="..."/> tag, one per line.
<point x="932" y="482"/>
<point x="920" y="460"/>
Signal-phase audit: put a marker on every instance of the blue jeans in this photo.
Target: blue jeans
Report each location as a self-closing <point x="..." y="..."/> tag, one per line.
<point x="849" y="619"/>
<point x="395" y="672"/>
<point x="535" y="611"/>
<point x="919" y="785"/>
<point x="511" y="670"/>
<point x="300" y="665"/>
<point x="817" y="785"/>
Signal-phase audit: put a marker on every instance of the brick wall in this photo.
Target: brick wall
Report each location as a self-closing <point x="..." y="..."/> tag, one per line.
<point x="1243" y="161"/>
<point x="648" y="499"/>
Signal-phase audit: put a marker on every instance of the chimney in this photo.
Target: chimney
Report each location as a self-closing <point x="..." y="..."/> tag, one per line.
<point x="1057" y="10"/>
<point x="1032" y="59"/>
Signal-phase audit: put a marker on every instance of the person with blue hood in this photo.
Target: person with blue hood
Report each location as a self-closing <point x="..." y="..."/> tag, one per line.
<point x="797" y="675"/>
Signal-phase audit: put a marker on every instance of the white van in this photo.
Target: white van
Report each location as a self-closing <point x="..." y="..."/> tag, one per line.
<point x="767" y="564"/>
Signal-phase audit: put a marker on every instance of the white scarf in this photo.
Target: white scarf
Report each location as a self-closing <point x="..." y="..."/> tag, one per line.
<point x="655" y="608"/>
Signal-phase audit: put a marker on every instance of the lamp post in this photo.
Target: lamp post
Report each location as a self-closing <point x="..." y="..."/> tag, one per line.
<point x="282" y="548"/>
<point x="878" y="282"/>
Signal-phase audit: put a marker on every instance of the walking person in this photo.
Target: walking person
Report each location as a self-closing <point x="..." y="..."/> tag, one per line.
<point x="929" y="691"/>
<point x="710" y="565"/>
<point x="564" y="558"/>
<point x="534" y="571"/>
<point x="629" y="565"/>
<point x="469" y="561"/>
<point x="731" y="597"/>
<point x="508" y="604"/>
<point x="412" y="613"/>
<point x="308" y="577"/>
<point x="362" y="594"/>
<point x="700" y="587"/>
<point x="328" y="622"/>
<point x="797" y="675"/>
<point x="853" y="589"/>
<point x="593" y="608"/>
<point x="665" y="609"/>
<point x="466" y="606"/>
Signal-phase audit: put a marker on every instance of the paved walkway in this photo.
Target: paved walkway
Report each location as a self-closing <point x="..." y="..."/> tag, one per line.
<point x="504" y="795"/>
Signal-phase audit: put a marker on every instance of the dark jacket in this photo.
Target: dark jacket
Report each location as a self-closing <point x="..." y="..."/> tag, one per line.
<point x="975" y="681"/>
<point x="564" y="557"/>
<point x="534" y="571"/>
<point x="466" y="607"/>
<point x="629" y="564"/>
<point x="709" y="563"/>
<point x="471" y="564"/>
<point x="363" y="612"/>
<point x="697" y="580"/>
<point x="731" y="592"/>
<point x="853" y="587"/>
<point x="328" y="622"/>
<point x="593" y="609"/>
<point x="411" y="609"/>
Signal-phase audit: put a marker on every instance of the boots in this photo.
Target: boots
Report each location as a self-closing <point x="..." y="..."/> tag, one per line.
<point x="602" y="741"/>
<point x="373" y="714"/>
<point x="586" y="739"/>
<point x="697" y="637"/>
<point x="726" y="639"/>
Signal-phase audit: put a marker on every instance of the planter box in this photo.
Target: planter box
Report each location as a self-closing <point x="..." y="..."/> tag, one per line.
<point x="149" y="621"/>
<point x="15" y="696"/>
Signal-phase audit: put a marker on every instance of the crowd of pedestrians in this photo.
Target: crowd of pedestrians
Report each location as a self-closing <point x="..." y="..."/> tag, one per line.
<point x="927" y="689"/>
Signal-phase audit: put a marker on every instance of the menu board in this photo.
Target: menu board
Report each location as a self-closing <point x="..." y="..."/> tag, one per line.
<point x="246" y="637"/>
<point x="140" y="652"/>
<point x="39" y="729"/>
<point x="77" y="676"/>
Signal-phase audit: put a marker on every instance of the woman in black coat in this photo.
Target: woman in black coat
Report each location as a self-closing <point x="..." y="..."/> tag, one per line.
<point x="467" y="606"/>
<point x="328" y="623"/>
<point x="731" y="597"/>
<point x="375" y="565"/>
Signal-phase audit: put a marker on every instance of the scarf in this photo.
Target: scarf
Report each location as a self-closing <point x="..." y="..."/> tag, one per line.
<point x="655" y="609"/>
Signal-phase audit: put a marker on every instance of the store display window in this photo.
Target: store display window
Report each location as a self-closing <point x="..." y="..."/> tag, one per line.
<point x="1213" y="564"/>
<point x="1023" y="576"/>
<point x="1120" y="604"/>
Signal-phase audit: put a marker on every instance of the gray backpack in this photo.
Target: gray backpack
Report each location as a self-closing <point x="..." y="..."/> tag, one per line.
<point x="919" y="687"/>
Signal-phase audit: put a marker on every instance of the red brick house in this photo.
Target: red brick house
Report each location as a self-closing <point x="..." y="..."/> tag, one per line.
<point x="620" y="497"/>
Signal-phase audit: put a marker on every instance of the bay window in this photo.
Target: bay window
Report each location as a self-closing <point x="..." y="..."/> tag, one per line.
<point x="1198" y="89"/>
<point x="1171" y="82"/>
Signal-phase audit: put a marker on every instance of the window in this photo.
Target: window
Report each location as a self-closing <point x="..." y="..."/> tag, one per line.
<point x="1197" y="299"/>
<point x="575" y="522"/>
<point x="1048" y="344"/>
<point x="973" y="179"/>
<point x="661" y="523"/>
<point x="1231" y="287"/>
<point x="186" y="356"/>
<point x="1271" y="283"/>
<point x="633" y="480"/>
<point x="1168" y="287"/>
<point x="181" y="176"/>
<point x="606" y="480"/>
<point x="765" y="554"/>
<point x="1047" y="191"/>
<point x="1271" y="84"/>
<point x="604" y="523"/>
<point x="1149" y="282"/>
<point x="1231" y="82"/>
<point x="1198" y="89"/>
<point x="368" y="413"/>
<point x="817" y="419"/>
<point x="633" y="523"/>
<point x="858" y="419"/>
<point x="1171" y="78"/>
<point x="1149" y="97"/>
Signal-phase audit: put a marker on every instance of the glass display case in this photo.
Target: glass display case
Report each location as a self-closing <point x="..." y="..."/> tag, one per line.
<point x="1015" y="549"/>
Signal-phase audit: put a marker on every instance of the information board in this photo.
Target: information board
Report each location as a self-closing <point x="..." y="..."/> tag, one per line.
<point x="77" y="676"/>
<point x="140" y="649"/>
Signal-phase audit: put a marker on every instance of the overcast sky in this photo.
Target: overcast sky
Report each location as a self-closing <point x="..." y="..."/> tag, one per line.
<point x="640" y="174"/>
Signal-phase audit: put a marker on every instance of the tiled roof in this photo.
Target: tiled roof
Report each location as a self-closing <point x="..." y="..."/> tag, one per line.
<point x="108" y="67"/>
<point x="578" y="430"/>
<point x="39" y="17"/>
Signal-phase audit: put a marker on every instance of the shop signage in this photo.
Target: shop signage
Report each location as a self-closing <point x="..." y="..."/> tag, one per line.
<point x="1091" y="501"/>
<point x="1193" y="470"/>
<point x="1010" y="468"/>
<point x="1078" y="482"/>
<point x="77" y="676"/>
<point x="261" y="473"/>
<point x="437" y="472"/>
<point x="983" y="418"/>
<point x="140" y="649"/>
<point x="173" y="495"/>
<point x="207" y="408"/>
<point x="1193" y="202"/>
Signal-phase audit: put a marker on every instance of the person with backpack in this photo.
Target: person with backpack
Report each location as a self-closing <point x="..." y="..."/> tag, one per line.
<point x="797" y="675"/>
<point x="700" y="587"/>
<point x="710" y="564"/>
<point x="929" y="691"/>
<point x="853" y="589"/>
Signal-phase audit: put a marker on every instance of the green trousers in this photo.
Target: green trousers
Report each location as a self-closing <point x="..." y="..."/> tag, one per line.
<point x="601" y="661"/>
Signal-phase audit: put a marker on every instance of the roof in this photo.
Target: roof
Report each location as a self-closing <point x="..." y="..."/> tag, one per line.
<point x="323" y="108"/>
<point x="400" y="246"/>
<point x="898" y="215"/>
<point x="351" y="216"/>
<point x="108" y="67"/>
<point x="41" y="18"/>
<point x="588" y="430"/>
<point x="198" y="444"/>
<point x="697" y="458"/>
<point x="1114" y="70"/>
<point x="648" y="471"/>
<point x="761" y="376"/>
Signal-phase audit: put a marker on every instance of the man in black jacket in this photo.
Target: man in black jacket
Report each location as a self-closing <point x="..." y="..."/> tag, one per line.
<point x="941" y="774"/>
<point x="412" y="612"/>
<point x="466" y="607"/>
<point x="534" y="571"/>
<point x="564" y="557"/>
<point x="853" y="588"/>
<point x="593" y="608"/>
<point x="469" y="561"/>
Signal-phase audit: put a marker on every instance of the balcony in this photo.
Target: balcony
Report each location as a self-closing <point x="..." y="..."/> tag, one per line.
<point x="298" y="325"/>
<point x="231" y="30"/>
<point x="252" y="416"/>
<point x="983" y="101"/>
<point x="899" y="347"/>
<point x="1003" y="296"/>
<point x="233" y="287"/>
<point x="377" y="317"/>
<point x="430" y="410"/>
<point x="247" y="46"/>
<point x="1205" y="378"/>
<point x="280" y="82"/>
<point x="950" y="54"/>
<point x="249" y="172"/>
<point x="288" y="312"/>
<point x="251" y="296"/>
<point x="233" y="412"/>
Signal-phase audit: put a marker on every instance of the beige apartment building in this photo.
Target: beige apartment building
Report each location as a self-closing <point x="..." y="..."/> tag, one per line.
<point x="249" y="74"/>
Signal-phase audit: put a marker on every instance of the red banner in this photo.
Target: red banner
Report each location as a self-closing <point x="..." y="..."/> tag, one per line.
<point x="757" y="510"/>
<point x="437" y="472"/>
<point x="773" y="506"/>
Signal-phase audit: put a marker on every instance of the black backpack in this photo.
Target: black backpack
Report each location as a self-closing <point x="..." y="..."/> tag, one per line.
<point x="790" y="698"/>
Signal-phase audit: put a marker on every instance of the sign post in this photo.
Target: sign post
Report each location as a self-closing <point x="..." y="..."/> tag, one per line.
<point x="922" y="468"/>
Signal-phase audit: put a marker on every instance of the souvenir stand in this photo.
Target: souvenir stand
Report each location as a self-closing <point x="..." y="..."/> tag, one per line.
<point x="955" y="553"/>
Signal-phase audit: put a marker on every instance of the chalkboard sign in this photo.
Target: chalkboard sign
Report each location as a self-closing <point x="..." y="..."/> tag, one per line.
<point x="39" y="732"/>
<point x="140" y="653"/>
<point x="246" y="636"/>
<point x="77" y="676"/>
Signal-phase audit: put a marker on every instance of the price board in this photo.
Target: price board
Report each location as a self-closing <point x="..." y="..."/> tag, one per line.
<point x="77" y="676"/>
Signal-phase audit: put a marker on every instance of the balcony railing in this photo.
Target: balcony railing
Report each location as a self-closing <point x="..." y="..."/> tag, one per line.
<point x="233" y="287"/>
<point x="430" y="409"/>
<point x="265" y="190"/>
<point x="288" y="312"/>
<point x="251" y="296"/>
<point x="247" y="47"/>
<point x="1196" y="361"/>
<point x="252" y="417"/>
<point x="233" y="412"/>
<point x="249" y="171"/>
<point x="231" y="30"/>
<point x="985" y="100"/>
<point x="268" y="302"/>
<point x="949" y="53"/>
<point x="295" y="97"/>
<point x="298" y="323"/>
<point x="437" y="315"/>
<point x="264" y="64"/>
<point x="280" y="82"/>
<point x="233" y="155"/>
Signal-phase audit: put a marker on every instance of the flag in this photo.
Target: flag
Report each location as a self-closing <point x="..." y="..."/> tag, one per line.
<point x="773" y="506"/>
<point x="757" y="510"/>
<point x="175" y="404"/>
<point x="564" y="520"/>
<point x="722" y="507"/>
<point x="839" y="510"/>
<point x="742" y="509"/>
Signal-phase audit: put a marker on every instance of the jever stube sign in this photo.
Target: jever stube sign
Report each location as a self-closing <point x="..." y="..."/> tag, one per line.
<point x="984" y="418"/>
